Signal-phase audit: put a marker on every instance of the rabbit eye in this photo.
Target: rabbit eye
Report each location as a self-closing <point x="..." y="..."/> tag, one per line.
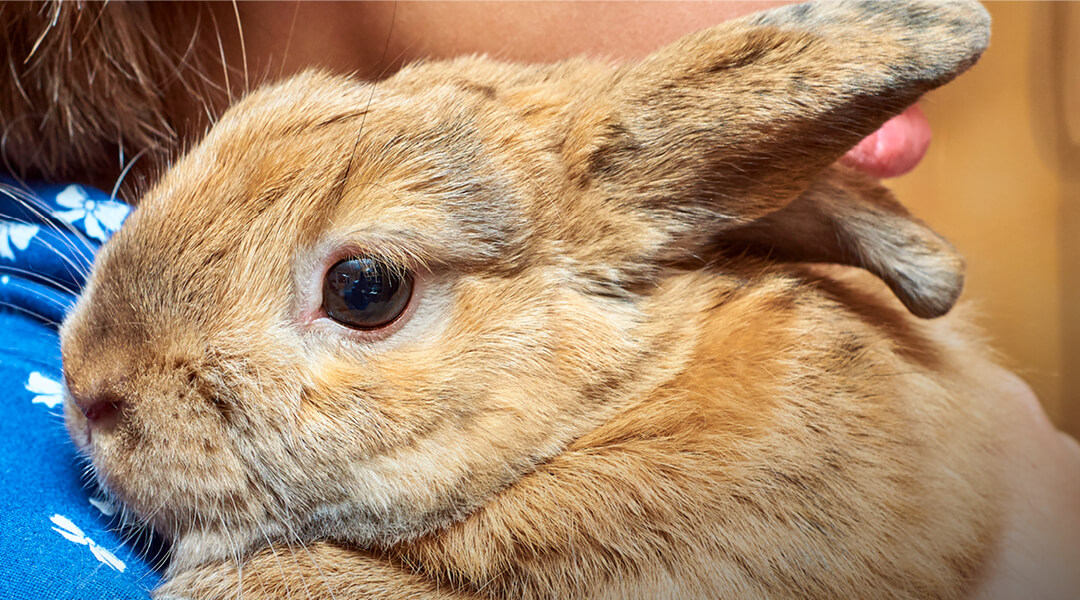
<point x="364" y="293"/>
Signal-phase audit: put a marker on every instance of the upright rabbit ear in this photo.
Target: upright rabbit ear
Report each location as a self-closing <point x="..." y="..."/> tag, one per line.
<point x="732" y="123"/>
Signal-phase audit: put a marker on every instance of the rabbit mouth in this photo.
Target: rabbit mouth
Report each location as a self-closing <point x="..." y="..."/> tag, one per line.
<point x="895" y="148"/>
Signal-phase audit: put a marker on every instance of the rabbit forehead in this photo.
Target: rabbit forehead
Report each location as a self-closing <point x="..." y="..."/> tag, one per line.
<point x="374" y="160"/>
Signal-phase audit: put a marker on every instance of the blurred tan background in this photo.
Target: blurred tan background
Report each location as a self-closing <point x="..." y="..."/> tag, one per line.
<point x="1002" y="182"/>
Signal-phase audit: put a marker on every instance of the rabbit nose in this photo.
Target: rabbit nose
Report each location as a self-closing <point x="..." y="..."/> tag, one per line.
<point x="99" y="409"/>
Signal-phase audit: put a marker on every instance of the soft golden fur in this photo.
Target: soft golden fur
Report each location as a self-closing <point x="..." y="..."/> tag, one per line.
<point x="619" y="377"/>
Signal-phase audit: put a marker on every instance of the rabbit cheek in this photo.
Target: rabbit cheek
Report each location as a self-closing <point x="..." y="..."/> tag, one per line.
<point x="169" y="459"/>
<point x="399" y="468"/>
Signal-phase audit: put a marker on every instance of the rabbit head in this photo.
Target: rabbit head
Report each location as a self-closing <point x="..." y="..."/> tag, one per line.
<point x="356" y="311"/>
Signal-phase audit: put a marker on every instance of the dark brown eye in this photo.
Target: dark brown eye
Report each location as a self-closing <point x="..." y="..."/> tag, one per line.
<point x="364" y="293"/>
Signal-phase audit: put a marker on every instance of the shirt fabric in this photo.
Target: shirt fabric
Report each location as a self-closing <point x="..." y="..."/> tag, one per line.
<point x="59" y="536"/>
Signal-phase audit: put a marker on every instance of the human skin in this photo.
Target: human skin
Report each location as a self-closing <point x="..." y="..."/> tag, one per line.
<point x="1040" y="546"/>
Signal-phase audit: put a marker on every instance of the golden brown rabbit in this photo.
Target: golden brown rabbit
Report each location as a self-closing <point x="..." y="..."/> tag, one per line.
<point x="498" y="331"/>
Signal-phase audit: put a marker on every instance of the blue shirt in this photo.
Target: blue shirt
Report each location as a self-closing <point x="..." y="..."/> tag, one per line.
<point x="59" y="535"/>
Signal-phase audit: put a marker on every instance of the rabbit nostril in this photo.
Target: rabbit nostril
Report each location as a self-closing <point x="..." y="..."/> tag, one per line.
<point x="100" y="410"/>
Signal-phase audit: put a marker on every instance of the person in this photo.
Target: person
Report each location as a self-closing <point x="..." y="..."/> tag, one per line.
<point x="1036" y="556"/>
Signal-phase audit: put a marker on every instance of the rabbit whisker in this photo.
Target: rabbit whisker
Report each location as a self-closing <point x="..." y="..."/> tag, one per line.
<point x="277" y="560"/>
<point x="126" y="169"/>
<point x="243" y="45"/>
<point x="224" y="61"/>
<point x="41" y="278"/>
<point x="288" y="38"/>
<point x="31" y="313"/>
<point x="32" y="203"/>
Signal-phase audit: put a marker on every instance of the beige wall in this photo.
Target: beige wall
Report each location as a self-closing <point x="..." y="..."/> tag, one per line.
<point x="1002" y="181"/>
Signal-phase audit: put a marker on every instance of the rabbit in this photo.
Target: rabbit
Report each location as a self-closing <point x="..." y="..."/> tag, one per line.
<point x="582" y="330"/>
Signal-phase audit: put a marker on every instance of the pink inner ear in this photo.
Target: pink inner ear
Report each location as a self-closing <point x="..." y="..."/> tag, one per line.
<point x="895" y="148"/>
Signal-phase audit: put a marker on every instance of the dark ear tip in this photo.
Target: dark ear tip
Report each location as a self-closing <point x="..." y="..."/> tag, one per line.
<point x="945" y="36"/>
<point x="952" y="33"/>
<point x="970" y="21"/>
<point x="931" y="290"/>
<point x="931" y="304"/>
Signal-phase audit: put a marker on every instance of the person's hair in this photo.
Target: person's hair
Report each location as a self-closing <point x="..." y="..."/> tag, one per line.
<point x="89" y="85"/>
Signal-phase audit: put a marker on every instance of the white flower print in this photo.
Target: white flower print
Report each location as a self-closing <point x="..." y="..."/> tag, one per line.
<point x="72" y="533"/>
<point x="49" y="391"/>
<point x="106" y="557"/>
<point x="15" y="234"/>
<point x="68" y="529"/>
<point x="100" y="217"/>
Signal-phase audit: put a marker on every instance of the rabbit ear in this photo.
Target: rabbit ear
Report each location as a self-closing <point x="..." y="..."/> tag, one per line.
<point x="849" y="218"/>
<point x="735" y="122"/>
